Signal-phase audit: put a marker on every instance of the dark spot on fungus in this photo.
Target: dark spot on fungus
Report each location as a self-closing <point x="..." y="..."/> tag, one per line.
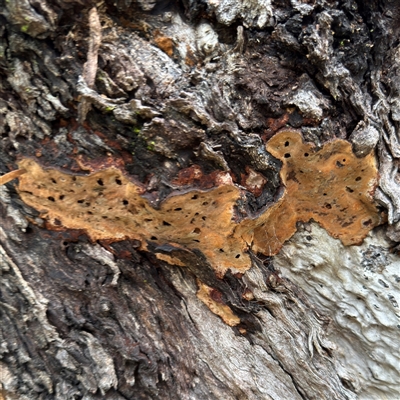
<point x="125" y="202"/>
<point x="339" y="164"/>
<point x="308" y="237"/>
<point x="50" y="198"/>
<point x="178" y="209"/>
<point x="100" y="182"/>
<point x="237" y="256"/>
<point x="328" y="206"/>
<point x="196" y="230"/>
<point x="153" y="238"/>
<point x="368" y="222"/>
<point x="80" y="201"/>
<point x="118" y="181"/>
<point x="221" y="251"/>
<point x="61" y="197"/>
<point x="358" y="178"/>
<point x="57" y="222"/>
<point x="306" y="154"/>
<point x="165" y="223"/>
<point x="286" y="144"/>
<point x="287" y="155"/>
<point x="350" y="190"/>
<point x="53" y="180"/>
<point x="216" y="295"/>
<point x="292" y="176"/>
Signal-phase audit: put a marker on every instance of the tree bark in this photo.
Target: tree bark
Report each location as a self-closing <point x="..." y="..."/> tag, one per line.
<point x="158" y="103"/>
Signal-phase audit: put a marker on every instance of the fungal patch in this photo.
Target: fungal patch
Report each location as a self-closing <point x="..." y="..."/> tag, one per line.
<point x="166" y="44"/>
<point x="331" y="186"/>
<point x="107" y="205"/>
<point x="211" y="298"/>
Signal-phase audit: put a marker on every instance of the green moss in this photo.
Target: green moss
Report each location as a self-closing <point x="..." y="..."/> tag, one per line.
<point x="150" y="145"/>
<point x="109" y="109"/>
<point x="24" y="28"/>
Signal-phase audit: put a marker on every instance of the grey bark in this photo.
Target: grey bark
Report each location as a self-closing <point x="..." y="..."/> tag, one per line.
<point x="164" y="85"/>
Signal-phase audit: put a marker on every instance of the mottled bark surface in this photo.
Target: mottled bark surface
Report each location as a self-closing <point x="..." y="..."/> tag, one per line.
<point x="175" y="94"/>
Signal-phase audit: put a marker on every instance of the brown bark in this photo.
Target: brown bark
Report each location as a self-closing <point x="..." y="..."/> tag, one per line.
<point x="181" y="97"/>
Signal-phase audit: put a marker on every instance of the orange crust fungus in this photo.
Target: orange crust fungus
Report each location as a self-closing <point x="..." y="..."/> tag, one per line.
<point x="107" y="205"/>
<point x="166" y="44"/>
<point x="330" y="185"/>
<point x="209" y="297"/>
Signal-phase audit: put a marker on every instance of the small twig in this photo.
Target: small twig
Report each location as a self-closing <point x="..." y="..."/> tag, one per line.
<point x="11" y="175"/>
<point x="90" y="66"/>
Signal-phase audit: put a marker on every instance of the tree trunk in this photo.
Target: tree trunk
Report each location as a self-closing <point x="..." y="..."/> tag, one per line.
<point x="205" y="201"/>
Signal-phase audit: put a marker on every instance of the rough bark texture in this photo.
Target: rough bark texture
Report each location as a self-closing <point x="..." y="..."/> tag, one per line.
<point x="177" y="94"/>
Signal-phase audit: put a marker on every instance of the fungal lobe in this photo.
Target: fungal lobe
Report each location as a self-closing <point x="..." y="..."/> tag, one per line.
<point x="205" y="294"/>
<point x="109" y="206"/>
<point x="330" y="185"/>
